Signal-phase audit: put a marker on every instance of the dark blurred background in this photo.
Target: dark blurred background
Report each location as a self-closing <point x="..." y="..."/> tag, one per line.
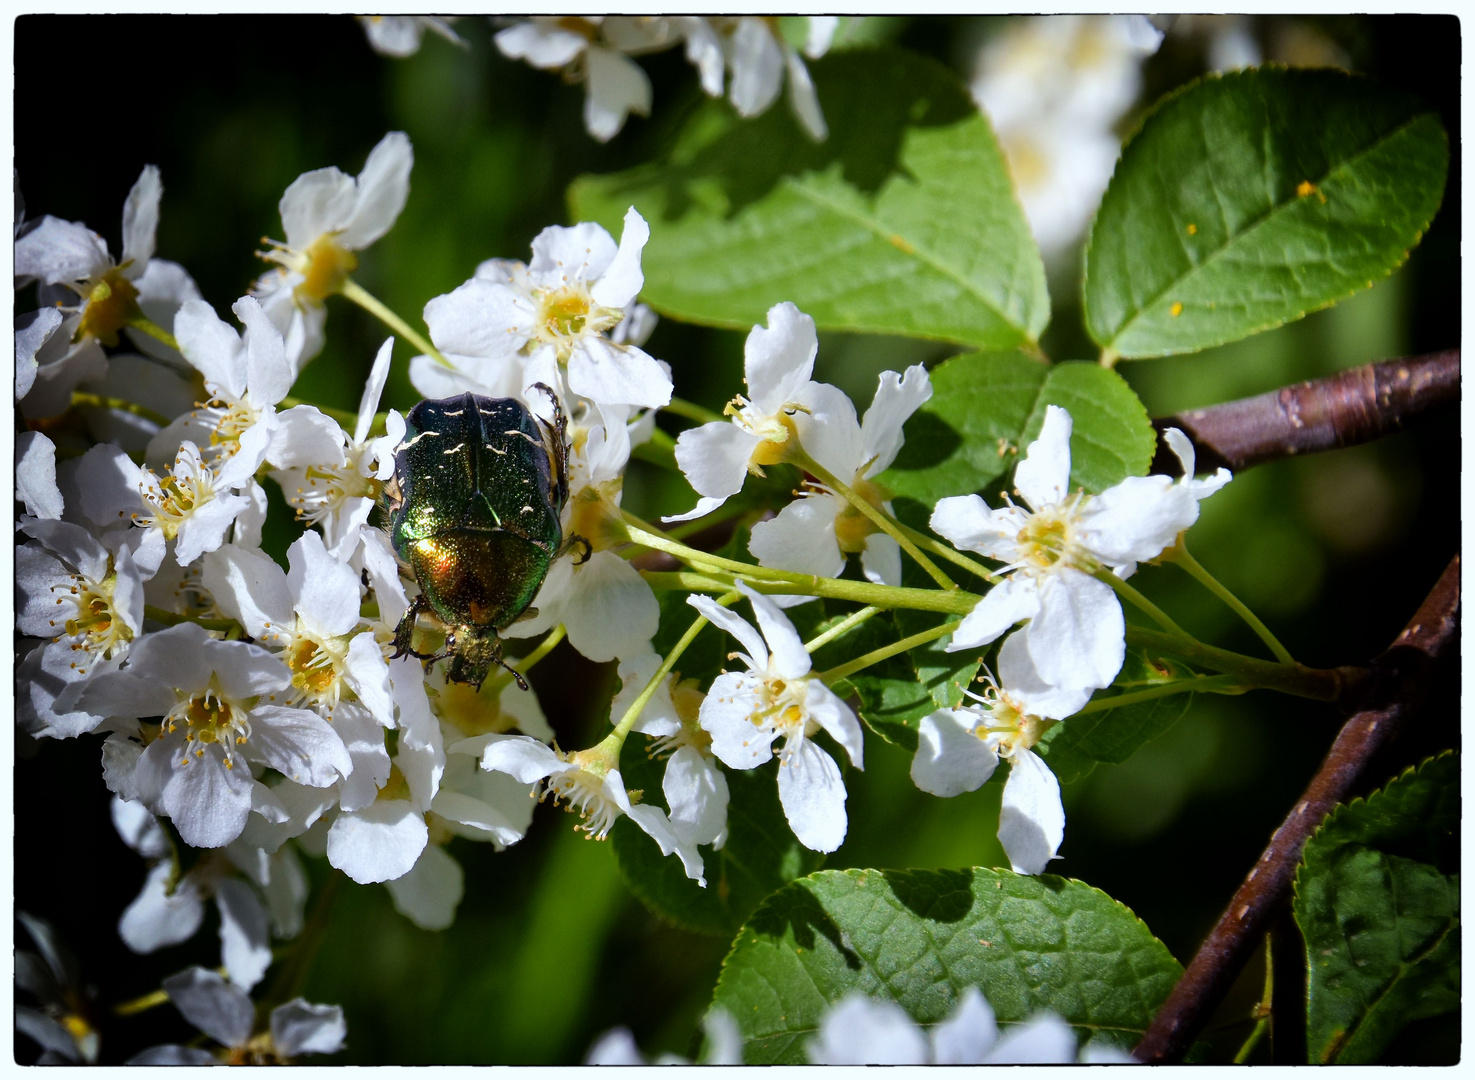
<point x="549" y="948"/>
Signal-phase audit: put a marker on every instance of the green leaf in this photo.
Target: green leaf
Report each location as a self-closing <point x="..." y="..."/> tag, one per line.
<point x="987" y="408"/>
<point x="1379" y="908"/>
<point x="899" y="691"/>
<point x="1075" y="746"/>
<point x="902" y="222"/>
<point x="920" y="937"/>
<point x="1248" y="200"/>
<point x="761" y="853"/>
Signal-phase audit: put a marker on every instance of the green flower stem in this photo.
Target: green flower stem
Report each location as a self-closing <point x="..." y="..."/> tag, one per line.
<point x="860" y="592"/>
<point x="355" y="292"/>
<point x="882" y="521"/>
<point x="646" y="535"/>
<point x="628" y="720"/>
<point x="690" y="410"/>
<point x="1202" y="684"/>
<point x="844" y="626"/>
<point x="150" y="1001"/>
<point x="1319" y="684"/>
<point x="98" y="401"/>
<point x="1142" y="603"/>
<point x="346" y="420"/>
<point x="143" y="323"/>
<point x="875" y="656"/>
<point x="169" y="618"/>
<point x="942" y="550"/>
<point x="1180" y="555"/>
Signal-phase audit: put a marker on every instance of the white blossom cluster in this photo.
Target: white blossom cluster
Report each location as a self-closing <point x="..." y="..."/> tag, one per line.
<point x="260" y="710"/>
<point x="745" y="53"/>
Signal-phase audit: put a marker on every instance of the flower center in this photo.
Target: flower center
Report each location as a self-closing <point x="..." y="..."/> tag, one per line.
<point x="315" y="670"/>
<point x="568" y="313"/>
<point x="1012" y="728"/>
<point x="782" y="707"/>
<point x="595" y="515"/>
<point x="775" y="431"/>
<point x="1049" y="536"/>
<point x="112" y="303"/>
<point x="209" y="719"/>
<point x="583" y="790"/>
<point x="181" y="493"/>
<point x="324" y="267"/>
<point x="851" y="526"/>
<point x="325" y="488"/>
<point x="469" y="710"/>
<point x="103" y="632"/>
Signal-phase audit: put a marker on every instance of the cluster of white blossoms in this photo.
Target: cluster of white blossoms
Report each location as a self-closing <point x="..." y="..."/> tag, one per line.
<point x="266" y="712"/>
<point x="1054" y="87"/>
<point x="747" y="53"/>
<point x="858" y="1030"/>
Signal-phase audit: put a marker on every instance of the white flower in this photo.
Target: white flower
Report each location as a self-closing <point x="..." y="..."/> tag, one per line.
<point x="616" y="84"/>
<point x="245" y="378"/>
<point x="327" y="216"/>
<point x="758" y="57"/>
<point x="716" y="458"/>
<point x="513" y="326"/>
<point x="724" y="1042"/>
<point x="88" y="603"/>
<point x="187" y="505"/>
<point x="171" y="906"/>
<point x="35" y="475"/>
<point x="745" y="712"/>
<point x="958" y="750"/>
<point x="311" y="613"/>
<point x="332" y="480"/>
<point x="592" y="787"/>
<point x="399" y="35"/>
<point x="812" y="535"/>
<point x="1053" y="88"/>
<point x="1073" y="641"/>
<point x="226" y="1014"/>
<point x="218" y="703"/>
<point x="858" y="1030"/>
<point x="51" y="974"/>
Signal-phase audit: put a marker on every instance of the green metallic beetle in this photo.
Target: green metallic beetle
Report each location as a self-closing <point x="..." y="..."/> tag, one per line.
<point x="474" y="509"/>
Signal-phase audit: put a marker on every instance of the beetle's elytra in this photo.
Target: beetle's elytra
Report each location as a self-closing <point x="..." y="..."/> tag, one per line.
<point x="474" y="509"/>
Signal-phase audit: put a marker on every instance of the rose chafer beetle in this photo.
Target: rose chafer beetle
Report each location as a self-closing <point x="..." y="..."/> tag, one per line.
<point x="475" y="509"/>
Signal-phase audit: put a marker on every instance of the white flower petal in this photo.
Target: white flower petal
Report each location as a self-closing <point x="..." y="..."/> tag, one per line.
<point x="207" y="802"/>
<point x="1078" y="639"/>
<point x="757" y="65"/>
<point x="1041" y="1040"/>
<point x="613" y="374"/>
<point x="378" y="843"/>
<point x="1032" y="820"/>
<point x="521" y="757"/>
<point x="1007" y="603"/>
<point x="541" y="46"/>
<point x="968" y="523"/>
<point x="835" y="717"/>
<point x="325" y="591"/>
<point x="382" y="189"/>
<point x="779" y="360"/>
<point x="217" y="1008"/>
<point x="829" y="430"/>
<point x="57" y="251"/>
<point x="617" y="87"/>
<point x="968" y="1032"/>
<point x="813" y="797"/>
<point x="801" y="538"/>
<point x="141" y="219"/>
<point x="897" y="398"/>
<point x="373" y="389"/>
<point x="881" y="560"/>
<point x="789" y="657"/>
<point x="302" y="1028"/>
<point x="615" y="1047"/>
<point x="622" y="280"/>
<point x="611" y="611"/>
<point x="862" y="1031"/>
<point x="211" y="346"/>
<point x="35" y="475"/>
<point x="1043" y="476"/>
<point x="714" y="458"/>
<point x="725" y="712"/>
<point x="316" y="203"/>
<point x="156" y="919"/>
<point x="803" y="97"/>
<point x="653" y="821"/>
<point x="245" y="940"/>
<point x="299" y="744"/>
<point x="1029" y="689"/>
<point x="248" y="586"/>
<point x="430" y="893"/>
<point x="950" y="759"/>
<point x="696" y="791"/>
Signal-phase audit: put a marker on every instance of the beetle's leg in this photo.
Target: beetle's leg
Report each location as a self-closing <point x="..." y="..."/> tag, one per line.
<point x="404" y="634"/>
<point x="560" y="441"/>
<point x="568" y="545"/>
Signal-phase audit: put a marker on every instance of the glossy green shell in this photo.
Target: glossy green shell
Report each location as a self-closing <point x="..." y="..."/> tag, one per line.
<point x="478" y="507"/>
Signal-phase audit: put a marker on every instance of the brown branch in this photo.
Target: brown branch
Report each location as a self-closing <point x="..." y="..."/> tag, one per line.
<point x="1397" y="685"/>
<point x="1347" y="408"/>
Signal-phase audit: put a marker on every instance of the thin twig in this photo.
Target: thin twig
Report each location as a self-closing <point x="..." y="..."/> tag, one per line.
<point x="1399" y="680"/>
<point x="1350" y="407"/>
